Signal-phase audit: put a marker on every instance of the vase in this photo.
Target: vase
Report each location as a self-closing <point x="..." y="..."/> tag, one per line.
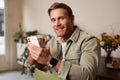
<point x="108" y="58"/>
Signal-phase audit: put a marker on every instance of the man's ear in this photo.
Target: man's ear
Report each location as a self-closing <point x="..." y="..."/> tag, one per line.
<point x="72" y="19"/>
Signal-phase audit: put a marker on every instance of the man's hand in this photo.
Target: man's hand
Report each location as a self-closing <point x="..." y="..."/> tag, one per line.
<point x="40" y="54"/>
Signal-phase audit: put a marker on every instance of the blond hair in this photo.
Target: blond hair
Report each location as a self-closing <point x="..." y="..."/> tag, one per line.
<point x="57" y="5"/>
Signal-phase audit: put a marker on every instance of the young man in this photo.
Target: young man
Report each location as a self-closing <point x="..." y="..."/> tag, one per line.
<point x="73" y="53"/>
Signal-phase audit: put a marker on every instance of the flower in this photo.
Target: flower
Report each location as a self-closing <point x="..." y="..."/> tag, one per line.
<point x="109" y="42"/>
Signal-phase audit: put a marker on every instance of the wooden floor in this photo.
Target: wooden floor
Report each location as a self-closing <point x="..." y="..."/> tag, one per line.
<point x="14" y="75"/>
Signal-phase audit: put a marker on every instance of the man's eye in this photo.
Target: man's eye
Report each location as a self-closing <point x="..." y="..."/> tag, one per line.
<point x="62" y="18"/>
<point x="52" y="20"/>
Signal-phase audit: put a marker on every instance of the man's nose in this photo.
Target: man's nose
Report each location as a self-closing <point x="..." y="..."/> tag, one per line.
<point x="57" y="23"/>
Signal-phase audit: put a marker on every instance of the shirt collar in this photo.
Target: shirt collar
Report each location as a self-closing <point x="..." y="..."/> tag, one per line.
<point x="74" y="37"/>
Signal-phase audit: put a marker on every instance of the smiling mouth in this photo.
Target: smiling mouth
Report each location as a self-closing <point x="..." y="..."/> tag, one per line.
<point x="60" y="29"/>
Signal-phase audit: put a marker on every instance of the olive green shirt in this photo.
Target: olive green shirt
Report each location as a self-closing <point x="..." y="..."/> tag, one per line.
<point x="81" y="57"/>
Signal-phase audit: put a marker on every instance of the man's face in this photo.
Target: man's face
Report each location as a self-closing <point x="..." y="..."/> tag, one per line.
<point x="61" y="22"/>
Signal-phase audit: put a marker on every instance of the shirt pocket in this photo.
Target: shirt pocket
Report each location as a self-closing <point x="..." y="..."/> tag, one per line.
<point x="73" y="57"/>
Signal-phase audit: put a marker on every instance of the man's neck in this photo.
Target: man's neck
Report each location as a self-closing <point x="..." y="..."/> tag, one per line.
<point x="64" y="39"/>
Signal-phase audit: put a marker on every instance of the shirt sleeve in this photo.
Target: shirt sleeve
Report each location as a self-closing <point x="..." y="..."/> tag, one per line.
<point x="88" y="62"/>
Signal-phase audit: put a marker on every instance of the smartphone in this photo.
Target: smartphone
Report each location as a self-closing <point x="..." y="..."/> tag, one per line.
<point x="37" y="40"/>
<point x="33" y="40"/>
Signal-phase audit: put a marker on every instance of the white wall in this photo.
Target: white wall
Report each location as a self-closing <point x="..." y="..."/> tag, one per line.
<point x="93" y="16"/>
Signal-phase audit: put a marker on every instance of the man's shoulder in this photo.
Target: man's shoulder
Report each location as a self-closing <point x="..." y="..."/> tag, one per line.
<point x="84" y="34"/>
<point x="52" y="40"/>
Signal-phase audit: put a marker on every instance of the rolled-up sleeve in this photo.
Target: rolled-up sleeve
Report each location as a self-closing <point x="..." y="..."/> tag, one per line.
<point x="64" y="69"/>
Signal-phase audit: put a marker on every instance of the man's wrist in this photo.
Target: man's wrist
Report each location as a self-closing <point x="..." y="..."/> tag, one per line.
<point x="31" y="61"/>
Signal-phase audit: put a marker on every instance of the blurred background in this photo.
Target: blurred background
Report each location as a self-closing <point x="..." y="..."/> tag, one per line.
<point x="93" y="16"/>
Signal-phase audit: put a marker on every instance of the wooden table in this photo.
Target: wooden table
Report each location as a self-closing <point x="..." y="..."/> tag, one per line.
<point x="105" y="73"/>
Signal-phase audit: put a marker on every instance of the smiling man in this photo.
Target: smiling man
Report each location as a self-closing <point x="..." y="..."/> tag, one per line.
<point x="73" y="53"/>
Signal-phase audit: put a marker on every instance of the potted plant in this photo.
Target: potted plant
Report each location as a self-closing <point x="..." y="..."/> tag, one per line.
<point x="20" y="38"/>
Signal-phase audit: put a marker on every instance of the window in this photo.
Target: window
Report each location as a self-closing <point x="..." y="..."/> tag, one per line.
<point x="2" y="37"/>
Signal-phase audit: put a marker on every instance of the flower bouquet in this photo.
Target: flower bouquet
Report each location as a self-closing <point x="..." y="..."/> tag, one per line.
<point x="109" y="43"/>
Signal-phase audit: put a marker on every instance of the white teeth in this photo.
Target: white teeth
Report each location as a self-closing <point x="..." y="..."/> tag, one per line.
<point x="59" y="29"/>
